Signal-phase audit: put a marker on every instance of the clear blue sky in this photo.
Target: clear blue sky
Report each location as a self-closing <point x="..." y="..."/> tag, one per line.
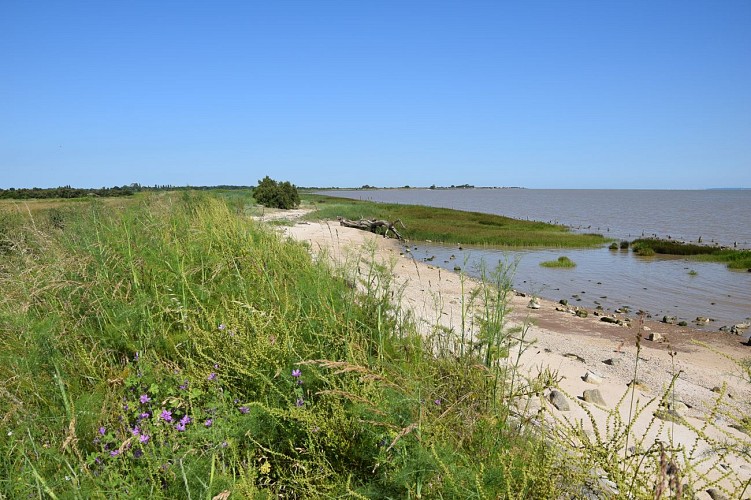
<point x="541" y="94"/>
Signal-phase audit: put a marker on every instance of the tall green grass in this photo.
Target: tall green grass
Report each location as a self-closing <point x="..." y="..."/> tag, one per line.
<point x="174" y="349"/>
<point x="735" y="259"/>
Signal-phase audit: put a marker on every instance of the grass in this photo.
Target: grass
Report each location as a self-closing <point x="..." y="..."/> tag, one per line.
<point x="454" y="226"/>
<point x="735" y="259"/>
<point x="173" y="348"/>
<point x="561" y="262"/>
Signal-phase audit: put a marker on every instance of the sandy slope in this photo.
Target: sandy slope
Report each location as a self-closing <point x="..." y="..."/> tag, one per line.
<point x="571" y="346"/>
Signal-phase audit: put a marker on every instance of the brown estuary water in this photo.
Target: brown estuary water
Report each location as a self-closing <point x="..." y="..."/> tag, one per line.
<point x="658" y="285"/>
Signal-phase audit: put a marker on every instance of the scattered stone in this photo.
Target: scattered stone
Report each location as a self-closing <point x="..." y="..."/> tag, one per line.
<point x="582" y="313"/>
<point x="639" y="384"/>
<point x="592" y="378"/>
<point x="613" y="361"/>
<point x="670" y="320"/>
<point x="558" y="400"/>
<point x="656" y="337"/>
<point x="609" y="319"/>
<point x="534" y="303"/>
<point x="574" y="356"/>
<point x="457" y="268"/>
<point x="701" y="319"/>
<point x="682" y="323"/>
<point x="646" y="328"/>
<point x="742" y="326"/>
<point x="563" y="302"/>
<point x="594" y="396"/>
<point x="520" y="294"/>
<point x="716" y="494"/>
<point x="716" y="389"/>
<point x="597" y="312"/>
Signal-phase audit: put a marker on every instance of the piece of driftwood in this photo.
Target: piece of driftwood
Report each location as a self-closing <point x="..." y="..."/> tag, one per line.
<point x="373" y="225"/>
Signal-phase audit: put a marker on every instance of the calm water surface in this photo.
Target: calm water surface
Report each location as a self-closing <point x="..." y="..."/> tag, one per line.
<point x="660" y="285"/>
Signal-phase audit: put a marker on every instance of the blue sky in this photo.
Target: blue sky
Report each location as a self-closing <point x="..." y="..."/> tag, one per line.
<point x="541" y="94"/>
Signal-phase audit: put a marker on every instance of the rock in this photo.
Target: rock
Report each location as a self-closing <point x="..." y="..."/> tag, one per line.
<point x="609" y="319"/>
<point x="670" y="320"/>
<point x="592" y="378"/>
<point x="646" y="328"/>
<point x="457" y="268"/>
<point x="742" y="326"/>
<point x="558" y="400"/>
<point x="716" y="494"/>
<point x="639" y="384"/>
<point x="682" y="323"/>
<point x="594" y="396"/>
<point x="574" y="356"/>
<point x="563" y="302"/>
<point x="701" y="319"/>
<point x="613" y="361"/>
<point x="582" y="313"/>
<point x="656" y="337"/>
<point x="534" y="303"/>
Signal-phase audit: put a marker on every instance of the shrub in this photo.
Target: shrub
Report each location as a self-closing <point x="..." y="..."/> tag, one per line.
<point x="273" y="194"/>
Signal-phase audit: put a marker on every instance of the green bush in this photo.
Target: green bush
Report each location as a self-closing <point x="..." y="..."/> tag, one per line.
<point x="273" y="194"/>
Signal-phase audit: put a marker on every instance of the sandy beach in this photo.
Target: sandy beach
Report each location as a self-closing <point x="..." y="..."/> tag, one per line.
<point x="584" y="352"/>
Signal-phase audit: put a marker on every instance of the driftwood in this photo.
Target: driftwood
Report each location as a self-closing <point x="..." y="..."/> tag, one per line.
<point x="373" y="225"/>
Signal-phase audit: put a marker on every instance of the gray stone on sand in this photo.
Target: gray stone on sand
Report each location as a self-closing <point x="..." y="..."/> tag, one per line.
<point x="592" y="378"/>
<point x="655" y="337"/>
<point x="594" y="396"/>
<point x="558" y="400"/>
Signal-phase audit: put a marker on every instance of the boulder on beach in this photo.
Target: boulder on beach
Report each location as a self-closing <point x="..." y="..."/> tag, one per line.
<point x="594" y="396"/>
<point x="558" y="400"/>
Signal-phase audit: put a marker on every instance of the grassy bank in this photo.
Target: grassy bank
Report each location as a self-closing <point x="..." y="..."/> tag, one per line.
<point x="735" y="259"/>
<point x="172" y="349"/>
<point x="454" y="226"/>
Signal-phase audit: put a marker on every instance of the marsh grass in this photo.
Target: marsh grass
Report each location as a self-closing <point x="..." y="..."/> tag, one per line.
<point x="562" y="262"/>
<point x="454" y="226"/>
<point x="735" y="259"/>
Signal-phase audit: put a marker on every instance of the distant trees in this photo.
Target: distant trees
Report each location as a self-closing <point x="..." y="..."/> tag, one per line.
<point x="273" y="194"/>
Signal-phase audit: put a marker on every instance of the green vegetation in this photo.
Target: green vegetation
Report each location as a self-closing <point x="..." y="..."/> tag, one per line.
<point x="563" y="262"/>
<point x="735" y="259"/>
<point x="273" y="194"/>
<point x="455" y="226"/>
<point x="172" y="349"/>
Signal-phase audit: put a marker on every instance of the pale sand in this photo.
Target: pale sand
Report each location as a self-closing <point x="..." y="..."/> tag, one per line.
<point x="434" y="296"/>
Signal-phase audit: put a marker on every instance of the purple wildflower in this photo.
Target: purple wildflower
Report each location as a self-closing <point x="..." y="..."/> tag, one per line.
<point x="185" y="420"/>
<point x="102" y="431"/>
<point x="437" y="402"/>
<point x="166" y="416"/>
<point x="299" y="402"/>
<point x="144" y="415"/>
<point x="212" y="376"/>
<point x="144" y="438"/>
<point x="126" y="407"/>
<point x="114" y="453"/>
<point x="222" y="326"/>
<point x="144" y="399"/>
<point x="216" y="366"/>
<point x="138" y="453"/>
<point x="180" y="426"/>
<point x="184" y="386"/>
<point x="296" y="373"/>
<point x="209" y="422"/>
<point x="224" y="444"/>
<point x="244" y="409"/>
<point x="135" y="431"/>
<point x="96" y="441"/>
